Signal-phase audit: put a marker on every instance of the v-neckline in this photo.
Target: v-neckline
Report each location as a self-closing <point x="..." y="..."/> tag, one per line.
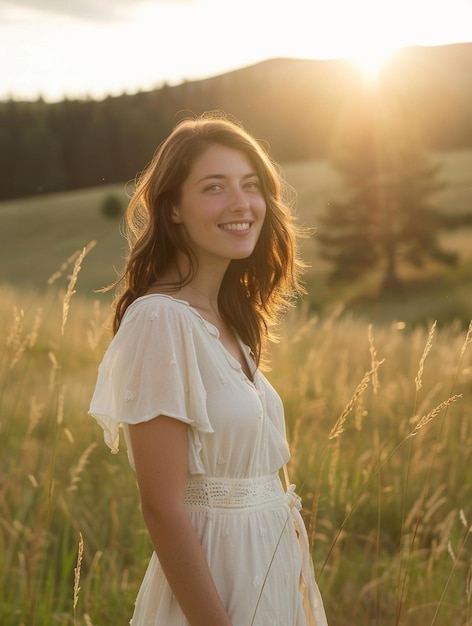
<point x="250" y="365"/>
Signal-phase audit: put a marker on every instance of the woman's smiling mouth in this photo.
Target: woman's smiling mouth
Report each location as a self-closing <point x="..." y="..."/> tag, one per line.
<point x="236" y="226"/>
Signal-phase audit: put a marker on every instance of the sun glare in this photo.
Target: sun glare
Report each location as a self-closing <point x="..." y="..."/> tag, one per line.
<point x="371" y="59"/>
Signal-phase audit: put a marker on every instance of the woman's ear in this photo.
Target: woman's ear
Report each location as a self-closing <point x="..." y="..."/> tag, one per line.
<point x="175" y="215"/>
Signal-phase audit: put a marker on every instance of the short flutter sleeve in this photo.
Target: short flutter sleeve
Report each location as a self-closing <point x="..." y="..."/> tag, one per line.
<point x="151" y="368"/>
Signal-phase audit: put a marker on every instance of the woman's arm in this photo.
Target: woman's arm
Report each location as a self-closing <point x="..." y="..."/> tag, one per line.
<point x="160" y="454"/>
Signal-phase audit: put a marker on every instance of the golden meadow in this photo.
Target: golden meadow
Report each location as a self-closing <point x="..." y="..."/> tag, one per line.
<point x="378" y="416"/>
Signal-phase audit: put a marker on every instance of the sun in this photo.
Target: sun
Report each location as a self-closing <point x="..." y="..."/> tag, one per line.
<point x="368" y="50"/>
<point x="370" y="58"/>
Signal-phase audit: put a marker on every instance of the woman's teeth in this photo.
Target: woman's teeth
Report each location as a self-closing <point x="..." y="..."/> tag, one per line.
<point x="239" y="226"/>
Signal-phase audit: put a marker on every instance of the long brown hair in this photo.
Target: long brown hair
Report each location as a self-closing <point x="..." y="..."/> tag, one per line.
<point x="254" y="291"/>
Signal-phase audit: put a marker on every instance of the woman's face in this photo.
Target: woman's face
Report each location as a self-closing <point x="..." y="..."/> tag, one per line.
<point x="221" y="207"/>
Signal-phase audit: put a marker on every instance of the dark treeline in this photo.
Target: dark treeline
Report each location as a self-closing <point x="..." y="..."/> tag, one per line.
<point x="295" y="105"/>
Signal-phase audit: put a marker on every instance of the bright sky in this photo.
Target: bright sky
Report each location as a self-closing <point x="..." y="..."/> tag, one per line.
<point x="79" y="48"/>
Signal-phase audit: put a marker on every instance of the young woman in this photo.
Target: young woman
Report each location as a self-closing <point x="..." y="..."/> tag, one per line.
<point x="212" y="263"/>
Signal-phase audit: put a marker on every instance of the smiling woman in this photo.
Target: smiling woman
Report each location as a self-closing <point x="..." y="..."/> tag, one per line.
<point x="213" y="262"/>
<point x="221" y="207"/>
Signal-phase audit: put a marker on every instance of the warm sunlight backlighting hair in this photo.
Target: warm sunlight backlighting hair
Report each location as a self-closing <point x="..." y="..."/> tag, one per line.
<point x="255" y="290"/>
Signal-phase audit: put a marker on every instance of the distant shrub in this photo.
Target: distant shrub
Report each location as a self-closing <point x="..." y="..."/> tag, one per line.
<point x="112" y="206"/>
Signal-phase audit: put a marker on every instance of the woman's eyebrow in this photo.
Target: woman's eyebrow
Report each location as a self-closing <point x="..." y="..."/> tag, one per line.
<point x="223" y="176"/>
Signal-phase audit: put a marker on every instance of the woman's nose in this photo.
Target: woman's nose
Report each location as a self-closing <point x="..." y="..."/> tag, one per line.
<point x="238" y="199"/>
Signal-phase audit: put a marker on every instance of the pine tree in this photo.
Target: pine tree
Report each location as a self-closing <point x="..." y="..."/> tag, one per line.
<point x="386" y="218"/>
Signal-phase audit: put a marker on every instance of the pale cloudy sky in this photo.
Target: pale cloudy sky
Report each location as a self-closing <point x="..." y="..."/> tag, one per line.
<point x="79" y="48"/>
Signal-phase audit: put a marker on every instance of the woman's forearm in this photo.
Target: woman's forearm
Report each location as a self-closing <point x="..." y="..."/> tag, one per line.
<point x="160" y="449"/>
<point x="182" y="558"/>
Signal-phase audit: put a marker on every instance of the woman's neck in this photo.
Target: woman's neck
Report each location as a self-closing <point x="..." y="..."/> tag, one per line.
<point x="201" y="292"/>
<point x="205" y="283"/>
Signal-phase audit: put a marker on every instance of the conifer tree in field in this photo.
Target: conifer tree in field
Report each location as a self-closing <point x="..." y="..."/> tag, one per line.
<point x="385" y="218"/>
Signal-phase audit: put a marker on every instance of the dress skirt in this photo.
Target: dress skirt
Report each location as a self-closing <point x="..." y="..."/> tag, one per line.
<point x="254" y="540"/>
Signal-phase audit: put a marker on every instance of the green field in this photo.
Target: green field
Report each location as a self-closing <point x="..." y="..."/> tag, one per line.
<point x="378" y="418"/>
<point x="38" y="234"/>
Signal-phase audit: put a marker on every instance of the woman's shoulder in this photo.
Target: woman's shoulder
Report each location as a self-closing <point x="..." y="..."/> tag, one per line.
<point x="154" y="320"/>
<point x="155" y="303"/>
<point x="164" y="310"/>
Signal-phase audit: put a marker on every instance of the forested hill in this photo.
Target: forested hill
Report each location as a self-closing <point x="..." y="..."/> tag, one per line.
<point x="295" y="105"/>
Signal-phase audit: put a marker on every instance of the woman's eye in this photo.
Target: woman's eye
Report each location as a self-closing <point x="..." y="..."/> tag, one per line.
<point x="213" y="187"/>
<point x="253" y="185"/>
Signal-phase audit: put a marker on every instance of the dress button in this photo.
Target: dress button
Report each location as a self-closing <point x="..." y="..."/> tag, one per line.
<point x="257" y="581"/>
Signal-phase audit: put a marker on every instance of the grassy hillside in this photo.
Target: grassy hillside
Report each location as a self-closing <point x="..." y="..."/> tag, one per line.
<point x="437" y="292"/>
<point x="38" y="234"/>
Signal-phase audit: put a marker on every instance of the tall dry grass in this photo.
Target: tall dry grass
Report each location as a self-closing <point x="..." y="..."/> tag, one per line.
<point x="387" y="486"/>
<point x="380" y="431"/>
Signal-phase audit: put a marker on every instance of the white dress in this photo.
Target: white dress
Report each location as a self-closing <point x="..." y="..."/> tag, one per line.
<point x="167" y="360"/>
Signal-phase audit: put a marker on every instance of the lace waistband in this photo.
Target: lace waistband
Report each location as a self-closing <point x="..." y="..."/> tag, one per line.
<point x="231" y="493"/>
